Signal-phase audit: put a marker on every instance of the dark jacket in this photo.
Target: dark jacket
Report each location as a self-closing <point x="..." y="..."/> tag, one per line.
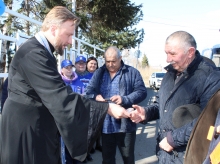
<point x="198" y="83"/>
<point x="40" y="107"/>
<point x="131" y="89"/>
<point x="4" y="93"/>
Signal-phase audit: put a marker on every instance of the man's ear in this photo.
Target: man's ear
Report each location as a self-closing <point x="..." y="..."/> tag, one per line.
<point x="53" y="29"/>
<point x="191" y="52"/>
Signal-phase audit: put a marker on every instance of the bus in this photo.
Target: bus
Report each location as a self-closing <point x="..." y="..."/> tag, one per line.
<point x="213" y="54"/>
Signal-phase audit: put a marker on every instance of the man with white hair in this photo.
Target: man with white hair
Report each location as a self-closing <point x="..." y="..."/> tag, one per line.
<point x="189" y="80"/>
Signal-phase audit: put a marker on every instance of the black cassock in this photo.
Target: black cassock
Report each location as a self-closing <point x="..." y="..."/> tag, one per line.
<point x="40" y="108"/>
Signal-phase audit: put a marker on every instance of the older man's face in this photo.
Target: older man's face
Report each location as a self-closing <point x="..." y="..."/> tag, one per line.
<point x="112" y="62"/>
<point x="178" y="56"/>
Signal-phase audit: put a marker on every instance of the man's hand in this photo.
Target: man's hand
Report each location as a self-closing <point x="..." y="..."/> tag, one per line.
<point x="99" y="98"/>
<point x="116" y="99"/>
<point x="165" y="145"/>
<point x="137" y="115"/>
<point x="117" y="111"/>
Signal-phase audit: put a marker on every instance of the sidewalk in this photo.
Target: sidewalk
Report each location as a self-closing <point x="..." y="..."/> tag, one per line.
<point x="144" y="146"/>
<point x="145" y="140"/>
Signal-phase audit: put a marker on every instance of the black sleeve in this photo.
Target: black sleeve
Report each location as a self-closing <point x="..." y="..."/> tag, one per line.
<point x="71" y="111"/>
<point x="4" y="93"/>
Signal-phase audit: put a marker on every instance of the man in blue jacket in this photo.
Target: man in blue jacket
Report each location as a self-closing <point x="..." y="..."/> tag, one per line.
<point x="120" y="84"/>
<point x="189" y="80"/>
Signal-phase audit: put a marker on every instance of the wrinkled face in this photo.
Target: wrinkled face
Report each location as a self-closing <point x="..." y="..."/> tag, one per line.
<point x="91" y="66"/>
<point x="63" y="36"/>
<point x="178" y="56"/>
<point x="113" y="63"/>
<point x="67" y="71"/>
<point x="80" y="66"/>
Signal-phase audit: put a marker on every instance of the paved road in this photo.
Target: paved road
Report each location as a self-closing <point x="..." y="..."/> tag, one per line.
<point x="145" y="141"/>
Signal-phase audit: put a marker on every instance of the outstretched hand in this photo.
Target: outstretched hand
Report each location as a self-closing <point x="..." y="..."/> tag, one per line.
<point x="117" y="111"/>
<point x="137" y="115"/>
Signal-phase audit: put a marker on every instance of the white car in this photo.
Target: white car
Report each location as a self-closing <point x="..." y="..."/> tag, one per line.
<point x="155" y="79"/>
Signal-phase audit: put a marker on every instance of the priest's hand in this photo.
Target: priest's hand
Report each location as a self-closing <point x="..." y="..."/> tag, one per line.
<point x="137" y="115"/>
<point x="117" y="111"/>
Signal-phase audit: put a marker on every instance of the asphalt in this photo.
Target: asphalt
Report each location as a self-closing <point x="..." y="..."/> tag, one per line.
<point x="145" y="140"/>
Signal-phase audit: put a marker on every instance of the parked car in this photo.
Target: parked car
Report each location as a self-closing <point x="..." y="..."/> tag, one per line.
<point x="155" y="79"/>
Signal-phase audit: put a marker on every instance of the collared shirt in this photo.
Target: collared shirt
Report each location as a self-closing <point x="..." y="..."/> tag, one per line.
<point x="179" y="75"/>
<point x="109" y="88"/>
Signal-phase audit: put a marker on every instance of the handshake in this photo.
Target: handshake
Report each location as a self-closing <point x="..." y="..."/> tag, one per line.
<point x="118" y="112"/>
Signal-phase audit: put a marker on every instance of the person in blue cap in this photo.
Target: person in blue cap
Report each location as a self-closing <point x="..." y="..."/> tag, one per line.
<point x="83" y="74"/>
<point x="70" y="77"/>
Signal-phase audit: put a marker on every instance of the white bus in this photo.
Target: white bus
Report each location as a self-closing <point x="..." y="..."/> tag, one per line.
<point x="213" y="54"/>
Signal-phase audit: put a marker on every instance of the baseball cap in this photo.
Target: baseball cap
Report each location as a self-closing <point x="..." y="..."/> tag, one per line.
<point x="66" y="63"/>
<point x="80" y="58"/>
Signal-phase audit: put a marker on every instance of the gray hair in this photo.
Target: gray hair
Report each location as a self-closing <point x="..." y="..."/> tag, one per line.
<point x="186" y="39"/>
<point x="115" y="49"/>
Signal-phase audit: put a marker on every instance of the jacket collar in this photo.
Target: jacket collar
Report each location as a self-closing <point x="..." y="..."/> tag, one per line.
<point x="192" y="66"/>
<point x="74" y="75"/>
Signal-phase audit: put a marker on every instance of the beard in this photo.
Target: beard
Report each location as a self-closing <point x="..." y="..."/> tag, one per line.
<point x="58" y="47"/>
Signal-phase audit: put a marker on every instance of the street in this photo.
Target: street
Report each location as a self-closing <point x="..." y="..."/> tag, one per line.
<point x="145" y="140"/>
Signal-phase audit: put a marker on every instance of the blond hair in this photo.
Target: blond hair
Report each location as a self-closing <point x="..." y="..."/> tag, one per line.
<point x="57" y="16"/>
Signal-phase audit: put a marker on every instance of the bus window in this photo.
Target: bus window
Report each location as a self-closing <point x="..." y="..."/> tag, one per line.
<point x="216" y="56"/>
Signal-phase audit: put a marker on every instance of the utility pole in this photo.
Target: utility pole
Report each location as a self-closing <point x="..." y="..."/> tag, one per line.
<point x="73" y="5"/>
<point x="27" y="8"/>
<point x="73" y="40"/>
<point x="137" y="54"/>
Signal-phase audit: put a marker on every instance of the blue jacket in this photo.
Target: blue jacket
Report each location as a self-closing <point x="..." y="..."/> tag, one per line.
<point x="84" y="78"/>
<point x="131" y="89"/>
<point x="199" y="82"/>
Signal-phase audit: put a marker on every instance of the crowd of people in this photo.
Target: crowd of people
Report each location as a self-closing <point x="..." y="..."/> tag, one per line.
<point x="53" y="116"/>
